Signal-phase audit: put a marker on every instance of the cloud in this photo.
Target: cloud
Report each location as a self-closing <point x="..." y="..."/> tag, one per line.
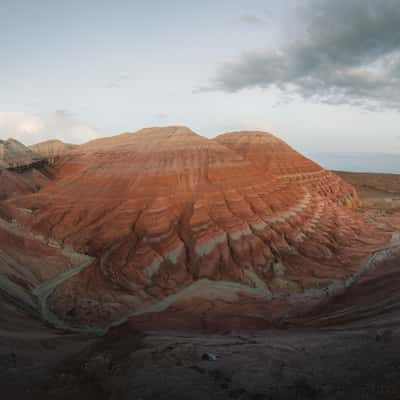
<point x="31" y="128"/>
<point x="251" y="19"/>
<point x="348" y="52"/>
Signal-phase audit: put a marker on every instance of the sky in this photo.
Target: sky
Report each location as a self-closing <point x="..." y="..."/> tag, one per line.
<point x="322" y="75"/>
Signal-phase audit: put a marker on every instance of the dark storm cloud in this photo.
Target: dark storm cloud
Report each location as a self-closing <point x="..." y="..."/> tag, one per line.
<point x="349" y="51"/>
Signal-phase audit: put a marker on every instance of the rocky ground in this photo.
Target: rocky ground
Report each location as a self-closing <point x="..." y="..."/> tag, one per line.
<point x="294" y="364"/>
<point x="379" y="191"/>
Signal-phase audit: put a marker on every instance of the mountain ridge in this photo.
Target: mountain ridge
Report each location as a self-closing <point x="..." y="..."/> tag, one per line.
<point x="164" y="210"/>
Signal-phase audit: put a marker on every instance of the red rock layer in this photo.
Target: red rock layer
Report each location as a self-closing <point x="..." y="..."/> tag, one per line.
<point x="26" y="261"/>
<point x="165" y="207"/>
<point x="14" y="184"/>
<point x="273" y="155"/>
<point x="279" y="160"/>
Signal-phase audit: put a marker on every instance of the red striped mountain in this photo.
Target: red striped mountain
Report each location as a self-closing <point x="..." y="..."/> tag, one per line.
<point x="164" y="208"/>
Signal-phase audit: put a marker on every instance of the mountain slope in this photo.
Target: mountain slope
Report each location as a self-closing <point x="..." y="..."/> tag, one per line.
<point x="51" y="149"/>
<point x="169" y="214"/>
<point x="14" y="154"/>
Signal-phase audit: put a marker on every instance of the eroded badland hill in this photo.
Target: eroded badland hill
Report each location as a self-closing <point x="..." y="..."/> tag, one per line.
<point x="225" y="268"/>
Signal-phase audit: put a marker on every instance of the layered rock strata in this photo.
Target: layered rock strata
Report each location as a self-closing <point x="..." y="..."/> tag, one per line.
<point x="171" y="216"/>
<point x="14" y="154"/>
<point x="52" y="149"/>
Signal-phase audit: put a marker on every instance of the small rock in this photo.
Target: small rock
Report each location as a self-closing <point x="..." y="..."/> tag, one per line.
<point x="209" y="357"/>
<point x="383" y="335"/>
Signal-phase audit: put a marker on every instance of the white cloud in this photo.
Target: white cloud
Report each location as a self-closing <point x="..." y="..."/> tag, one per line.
<point x="31" y="128"/>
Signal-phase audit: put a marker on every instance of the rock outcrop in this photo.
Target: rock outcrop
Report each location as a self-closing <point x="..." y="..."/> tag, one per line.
<point x="15" y="154"/>
<point x="21" y="170"/>
<point x="169" y="215"/>
<point x="52" y="149"/>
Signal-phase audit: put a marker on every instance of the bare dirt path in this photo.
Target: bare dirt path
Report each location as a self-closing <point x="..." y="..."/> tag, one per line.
<point x="44" y="291"/>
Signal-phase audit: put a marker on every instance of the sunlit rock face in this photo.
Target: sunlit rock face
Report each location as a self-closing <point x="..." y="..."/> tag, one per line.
<point x="277" y="159"/>
<point x="273" y="155"/>
<point x="14" y="154"/>
<point x="52" y="149"/>
<point x="167" y="212"/>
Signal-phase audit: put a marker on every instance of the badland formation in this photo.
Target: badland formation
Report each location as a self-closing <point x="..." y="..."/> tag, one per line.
<point x="169" y="231"/>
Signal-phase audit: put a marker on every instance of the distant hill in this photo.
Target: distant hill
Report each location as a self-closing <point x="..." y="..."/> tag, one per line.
<point x="14" y="153"/>
<point x="52" y="148"/>
<point x="359" y="162"/>
<point x="29" y="179"/>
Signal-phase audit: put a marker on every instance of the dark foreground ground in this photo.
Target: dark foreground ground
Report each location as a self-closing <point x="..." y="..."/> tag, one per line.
<point x="304" y="364"/>
<point x="347" y="348"/>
